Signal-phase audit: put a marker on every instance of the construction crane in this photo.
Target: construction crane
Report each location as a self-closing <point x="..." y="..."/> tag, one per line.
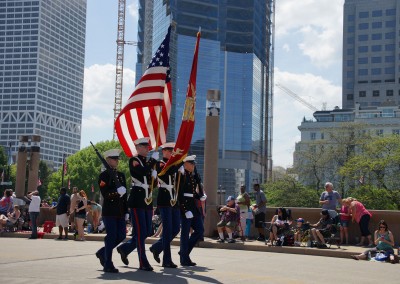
<point x="296" y="97"/>
<point x="119" y="66"/>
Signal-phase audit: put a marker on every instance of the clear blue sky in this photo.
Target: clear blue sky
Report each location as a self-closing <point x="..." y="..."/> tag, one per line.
<point x="308" y="60"/>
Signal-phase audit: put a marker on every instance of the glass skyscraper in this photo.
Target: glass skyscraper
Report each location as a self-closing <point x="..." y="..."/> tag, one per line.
<point x="42" y="51"/>
<point x="234" y="57"/>
<point x="371" y="48"/>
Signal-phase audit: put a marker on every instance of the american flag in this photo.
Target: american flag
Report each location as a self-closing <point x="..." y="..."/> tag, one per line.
<point x="65" y="167"/>
<point x="151" y="98"/>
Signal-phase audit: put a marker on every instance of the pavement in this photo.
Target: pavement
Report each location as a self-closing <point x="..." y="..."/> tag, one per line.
<point x="251" y="245"/>
<point x="49" y="261"/>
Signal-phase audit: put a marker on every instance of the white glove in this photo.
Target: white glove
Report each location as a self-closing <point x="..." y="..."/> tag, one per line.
<point x="181" y="170"/>
<point x="154" y="174"/>
<point x="189" y="214"/>
<point x="155" y="155"/>
<point x="121" y="190"/>
<point x="126" y="216"/>
<point x="203" y="198"/>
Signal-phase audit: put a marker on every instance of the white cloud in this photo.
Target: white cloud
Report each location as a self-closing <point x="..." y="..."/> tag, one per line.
<point x="286" y="47"/>
<point x="318" y="23"/>
<point x="288" y="112"/>
<point x="98" y="101"/>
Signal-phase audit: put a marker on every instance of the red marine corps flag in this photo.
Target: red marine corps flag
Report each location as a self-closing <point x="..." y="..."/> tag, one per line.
<point x="187" y="126"/>
<point x="146" y="113"/>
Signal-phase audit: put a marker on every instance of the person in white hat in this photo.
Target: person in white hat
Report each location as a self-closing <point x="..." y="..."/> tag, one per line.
<point x="189" y="190"/>
<point x="115" y="210"/>
<point x="140" y="202"/>
<point x="168" y="206"/>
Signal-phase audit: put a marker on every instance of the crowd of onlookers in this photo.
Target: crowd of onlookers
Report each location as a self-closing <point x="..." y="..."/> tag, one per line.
<point x="332" y="227"/>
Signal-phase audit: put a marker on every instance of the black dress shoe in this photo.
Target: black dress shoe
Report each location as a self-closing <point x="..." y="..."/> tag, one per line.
<point x="146" y="268"/>
<point x="190" y="263"/>
<point x="155" y="255"/>
<point x="124" y="257"/>
<point x="101" y="258"/>
<point x="111" y="270"/>
<point x="170" y="265"/>
<point x="32" y="238"/>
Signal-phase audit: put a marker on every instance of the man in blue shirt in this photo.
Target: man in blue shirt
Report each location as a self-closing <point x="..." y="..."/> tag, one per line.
<point x="62" y="219"/>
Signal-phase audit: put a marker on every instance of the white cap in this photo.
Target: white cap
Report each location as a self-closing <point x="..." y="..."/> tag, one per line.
<point x="112" y="153"/>
<point x="190" y="158"/>
<point x="143" y="141"/>
<point x="168" y="145"/>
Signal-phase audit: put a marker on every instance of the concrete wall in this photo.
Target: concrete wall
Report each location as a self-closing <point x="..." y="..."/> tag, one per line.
<point x="312" y="215"/>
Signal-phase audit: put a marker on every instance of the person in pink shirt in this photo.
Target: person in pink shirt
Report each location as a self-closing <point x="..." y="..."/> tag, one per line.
<point x="362" y="217"/>
<point x="345" y="219"/>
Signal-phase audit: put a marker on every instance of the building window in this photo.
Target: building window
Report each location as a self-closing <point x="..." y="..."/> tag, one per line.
<point x="363" y="15"/>
<point x="390" y="24"/>
<point x="376" y="59"/>
<point x="376" y="48"/>
<point x="389" y="47"/>
<point x="377" y="13"/>
<point x="377" y="25"/>
<point x="389" y="93"/>
<point x="396" y="131"/>
<point x="362" y="72"/>
<point x="322" y="136"/>
<point x="376" y="71"/>
<point x="350" y="40"/>
<point x="363" y="26"/>
<point x="350" y="51"/>
<point x="350" y="97"/>
<point x="313" y="136"/>
<point x="376" y="36"/>
<point x="375" y="93"/>
<point x="350" y="18"/>
<point x="363" y="49"/>
<point x="389" y="59"/>
<point x="390" y="12"/>
<point x="363" y="60"/>
<point x="379" y="132"/>
<point x="350" y="63"/>
<point x="362" y="37"/>
<point x="350" y="74"/>
<point x="362" y="94"/>
<point x="389" y="70"/>
<point x="350" y="29"/>
<point x="390" y="35"/>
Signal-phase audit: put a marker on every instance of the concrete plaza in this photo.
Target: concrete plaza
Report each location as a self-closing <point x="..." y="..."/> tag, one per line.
<point x="47" y="260"/>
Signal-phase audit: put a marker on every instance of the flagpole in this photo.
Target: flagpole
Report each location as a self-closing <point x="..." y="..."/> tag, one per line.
<point x="62" y="170"/>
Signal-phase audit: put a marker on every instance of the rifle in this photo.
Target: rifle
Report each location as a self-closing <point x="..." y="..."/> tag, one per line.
<point x="112" y="173"/>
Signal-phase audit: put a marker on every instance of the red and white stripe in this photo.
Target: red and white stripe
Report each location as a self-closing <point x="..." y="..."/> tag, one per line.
<point x="140" y="122"/>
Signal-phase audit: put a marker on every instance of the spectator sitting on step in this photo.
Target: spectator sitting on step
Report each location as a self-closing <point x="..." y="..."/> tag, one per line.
<point x="278" y="223"/>
<point x="229" y="220"/>
<point x="11" y="218"/>
<point x="318" y="234"/>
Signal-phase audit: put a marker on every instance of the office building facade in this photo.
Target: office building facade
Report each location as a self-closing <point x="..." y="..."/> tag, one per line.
<point x="235" y="58"/>
<point x="42" y="52"/>
<point x="371" y="48"/>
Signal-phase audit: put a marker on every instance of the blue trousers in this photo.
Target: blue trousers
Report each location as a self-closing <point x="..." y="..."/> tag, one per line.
<point x="187" y="243"/>
<point x="170" y="218"/>
<point x="116" y="233"/>
<point x="140" y="223"/>
<point x="34" y="216"/>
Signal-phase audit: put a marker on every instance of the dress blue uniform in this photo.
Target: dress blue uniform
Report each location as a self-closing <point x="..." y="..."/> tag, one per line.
<point x="140" y="170"/>
<point x="189" y="191"/>
<point x="170" y="213"/>
<point x="113" y="213"/>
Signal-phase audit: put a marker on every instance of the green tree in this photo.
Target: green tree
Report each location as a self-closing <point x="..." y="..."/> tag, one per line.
<point x="287" y="192"/>
<point x="83" y="169"/>
<point x="376" y="198"/>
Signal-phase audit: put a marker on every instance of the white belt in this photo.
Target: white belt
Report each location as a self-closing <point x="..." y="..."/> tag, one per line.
<point x="169" y="187"/>
<point x="188" y="194"/>
<point x="140" y="184"/>
<point x="143" y="185"/>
